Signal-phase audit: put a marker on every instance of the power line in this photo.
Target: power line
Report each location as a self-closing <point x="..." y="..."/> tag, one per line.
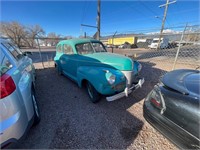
<point x="194" y="21"/>
<point x="153" y="17"/>
<point x="133" y="8"/>
<point x="150" y="29"/>
<point x="153" y="12"/>
<point x="118" y="10"/>
<point x="188" y="10"/>
<point x="148" y="9"/>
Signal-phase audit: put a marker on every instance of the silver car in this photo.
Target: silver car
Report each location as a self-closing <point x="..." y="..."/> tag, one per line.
<point x="18" y="105"/>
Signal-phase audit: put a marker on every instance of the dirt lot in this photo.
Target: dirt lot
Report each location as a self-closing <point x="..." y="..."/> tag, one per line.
<point x="71" y="121"/>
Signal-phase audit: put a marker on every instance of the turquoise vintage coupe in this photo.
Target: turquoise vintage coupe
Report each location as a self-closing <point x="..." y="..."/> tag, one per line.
<point x="87" y="62"/>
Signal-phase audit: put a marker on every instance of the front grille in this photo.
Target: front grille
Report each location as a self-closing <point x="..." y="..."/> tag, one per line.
<point x="119" y="86"/>
<point x="128" y="75"/>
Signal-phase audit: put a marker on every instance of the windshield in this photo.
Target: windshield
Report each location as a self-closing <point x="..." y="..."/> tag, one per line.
<point x="89" y="48"/>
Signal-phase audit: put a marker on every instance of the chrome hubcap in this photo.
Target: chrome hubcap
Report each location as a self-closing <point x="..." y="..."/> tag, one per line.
<point x="90" y="90"/>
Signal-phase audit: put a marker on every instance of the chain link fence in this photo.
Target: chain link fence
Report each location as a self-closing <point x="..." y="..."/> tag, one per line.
<point x="178" y="49"/>
<point x="44" y="52"/>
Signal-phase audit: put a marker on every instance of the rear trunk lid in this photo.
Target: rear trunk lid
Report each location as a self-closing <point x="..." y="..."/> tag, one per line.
<point x="184" y="81"/>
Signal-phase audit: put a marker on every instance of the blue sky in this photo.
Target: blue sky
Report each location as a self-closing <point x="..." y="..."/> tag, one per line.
<point x="65" y="17"/>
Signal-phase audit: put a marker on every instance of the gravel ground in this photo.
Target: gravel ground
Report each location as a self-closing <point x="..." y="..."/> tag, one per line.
<point x="70" y="121"/>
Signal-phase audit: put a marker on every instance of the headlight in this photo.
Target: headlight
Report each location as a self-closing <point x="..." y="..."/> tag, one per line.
<point x="110" y="78"/>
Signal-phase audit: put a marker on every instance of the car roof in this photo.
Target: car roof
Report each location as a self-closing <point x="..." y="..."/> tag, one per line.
<point x="77" y="41"/>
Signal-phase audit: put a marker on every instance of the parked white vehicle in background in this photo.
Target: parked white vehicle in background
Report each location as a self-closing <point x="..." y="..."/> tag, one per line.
<point x="164" y="42"/>
<point x="18" y="104"/>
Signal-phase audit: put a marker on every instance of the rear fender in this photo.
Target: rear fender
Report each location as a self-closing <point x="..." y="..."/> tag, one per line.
<point x="25" y="86"/>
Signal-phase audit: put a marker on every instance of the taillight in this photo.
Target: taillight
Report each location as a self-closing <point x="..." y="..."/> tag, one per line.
<point x="155" y="102"/>
<point x="156" y="99"/>
<point x="7" y="85"/>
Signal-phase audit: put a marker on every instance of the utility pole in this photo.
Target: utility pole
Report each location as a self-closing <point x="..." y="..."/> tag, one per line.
<point x="113" y="40"/>
<point x="164" y="19"/>
<point x="98" y="19"/>
<point x="85" y="35"/>
<point x="179" y="47"/>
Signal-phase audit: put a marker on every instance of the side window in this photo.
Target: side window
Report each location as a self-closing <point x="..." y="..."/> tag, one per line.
<point x="5" y="64"/>
<point x="17" y="54"/>
<point x="67" y="49"/>
<point x="59" y="49"/>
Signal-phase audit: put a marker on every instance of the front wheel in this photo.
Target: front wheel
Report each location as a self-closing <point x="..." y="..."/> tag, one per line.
<point x="92" y="92"/>
<point x="35" y="108"/>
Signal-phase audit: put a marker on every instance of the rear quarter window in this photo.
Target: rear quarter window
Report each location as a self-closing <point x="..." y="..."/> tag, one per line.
<point x="59" y="48"/>
<point x="5" y="63"/>
<point x="67" y="49"/>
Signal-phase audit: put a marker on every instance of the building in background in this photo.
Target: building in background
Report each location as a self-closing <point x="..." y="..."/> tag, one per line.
<point x="121" y="40"/>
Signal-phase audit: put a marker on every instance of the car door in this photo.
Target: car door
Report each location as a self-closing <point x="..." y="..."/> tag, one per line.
<point x="69" y="62"/>
<point x="22" y="76"/>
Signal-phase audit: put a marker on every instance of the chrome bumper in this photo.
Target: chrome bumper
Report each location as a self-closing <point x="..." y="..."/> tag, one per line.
<point x="126" y="91"/>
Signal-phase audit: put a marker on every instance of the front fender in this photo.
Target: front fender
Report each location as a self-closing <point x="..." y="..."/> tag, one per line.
<point x="97" y="77"/>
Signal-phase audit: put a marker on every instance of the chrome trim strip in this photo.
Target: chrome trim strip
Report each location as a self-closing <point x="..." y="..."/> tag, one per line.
<point x="128" y="75"/>
<point x="126" y="91"/>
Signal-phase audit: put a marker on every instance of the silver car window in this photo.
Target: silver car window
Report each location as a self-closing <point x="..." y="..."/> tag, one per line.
<point x="5" y="64"/>
<point x="17" y="54"/>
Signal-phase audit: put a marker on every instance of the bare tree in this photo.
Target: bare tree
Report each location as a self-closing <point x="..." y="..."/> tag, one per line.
<point x="53" y="38"/>
<point x="26" y="35"/>
<point x="15" y="31"/>
<point x="34" y="32"/>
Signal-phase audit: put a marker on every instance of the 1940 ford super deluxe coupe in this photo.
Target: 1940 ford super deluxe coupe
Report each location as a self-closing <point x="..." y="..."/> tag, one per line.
<point x="87" y="62"/>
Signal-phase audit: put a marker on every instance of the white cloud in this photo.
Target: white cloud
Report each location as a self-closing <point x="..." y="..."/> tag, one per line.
<point x="167" y="31"/>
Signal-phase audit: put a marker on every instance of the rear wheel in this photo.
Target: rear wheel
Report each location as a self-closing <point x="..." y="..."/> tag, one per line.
<point x="59" y="71"/>
<point x="93" y="93"/>
<point x="35" y="108"/>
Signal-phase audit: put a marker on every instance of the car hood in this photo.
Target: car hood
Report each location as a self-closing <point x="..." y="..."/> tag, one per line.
<point x="117" y="61"/>
<point x="184" y="81"/>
